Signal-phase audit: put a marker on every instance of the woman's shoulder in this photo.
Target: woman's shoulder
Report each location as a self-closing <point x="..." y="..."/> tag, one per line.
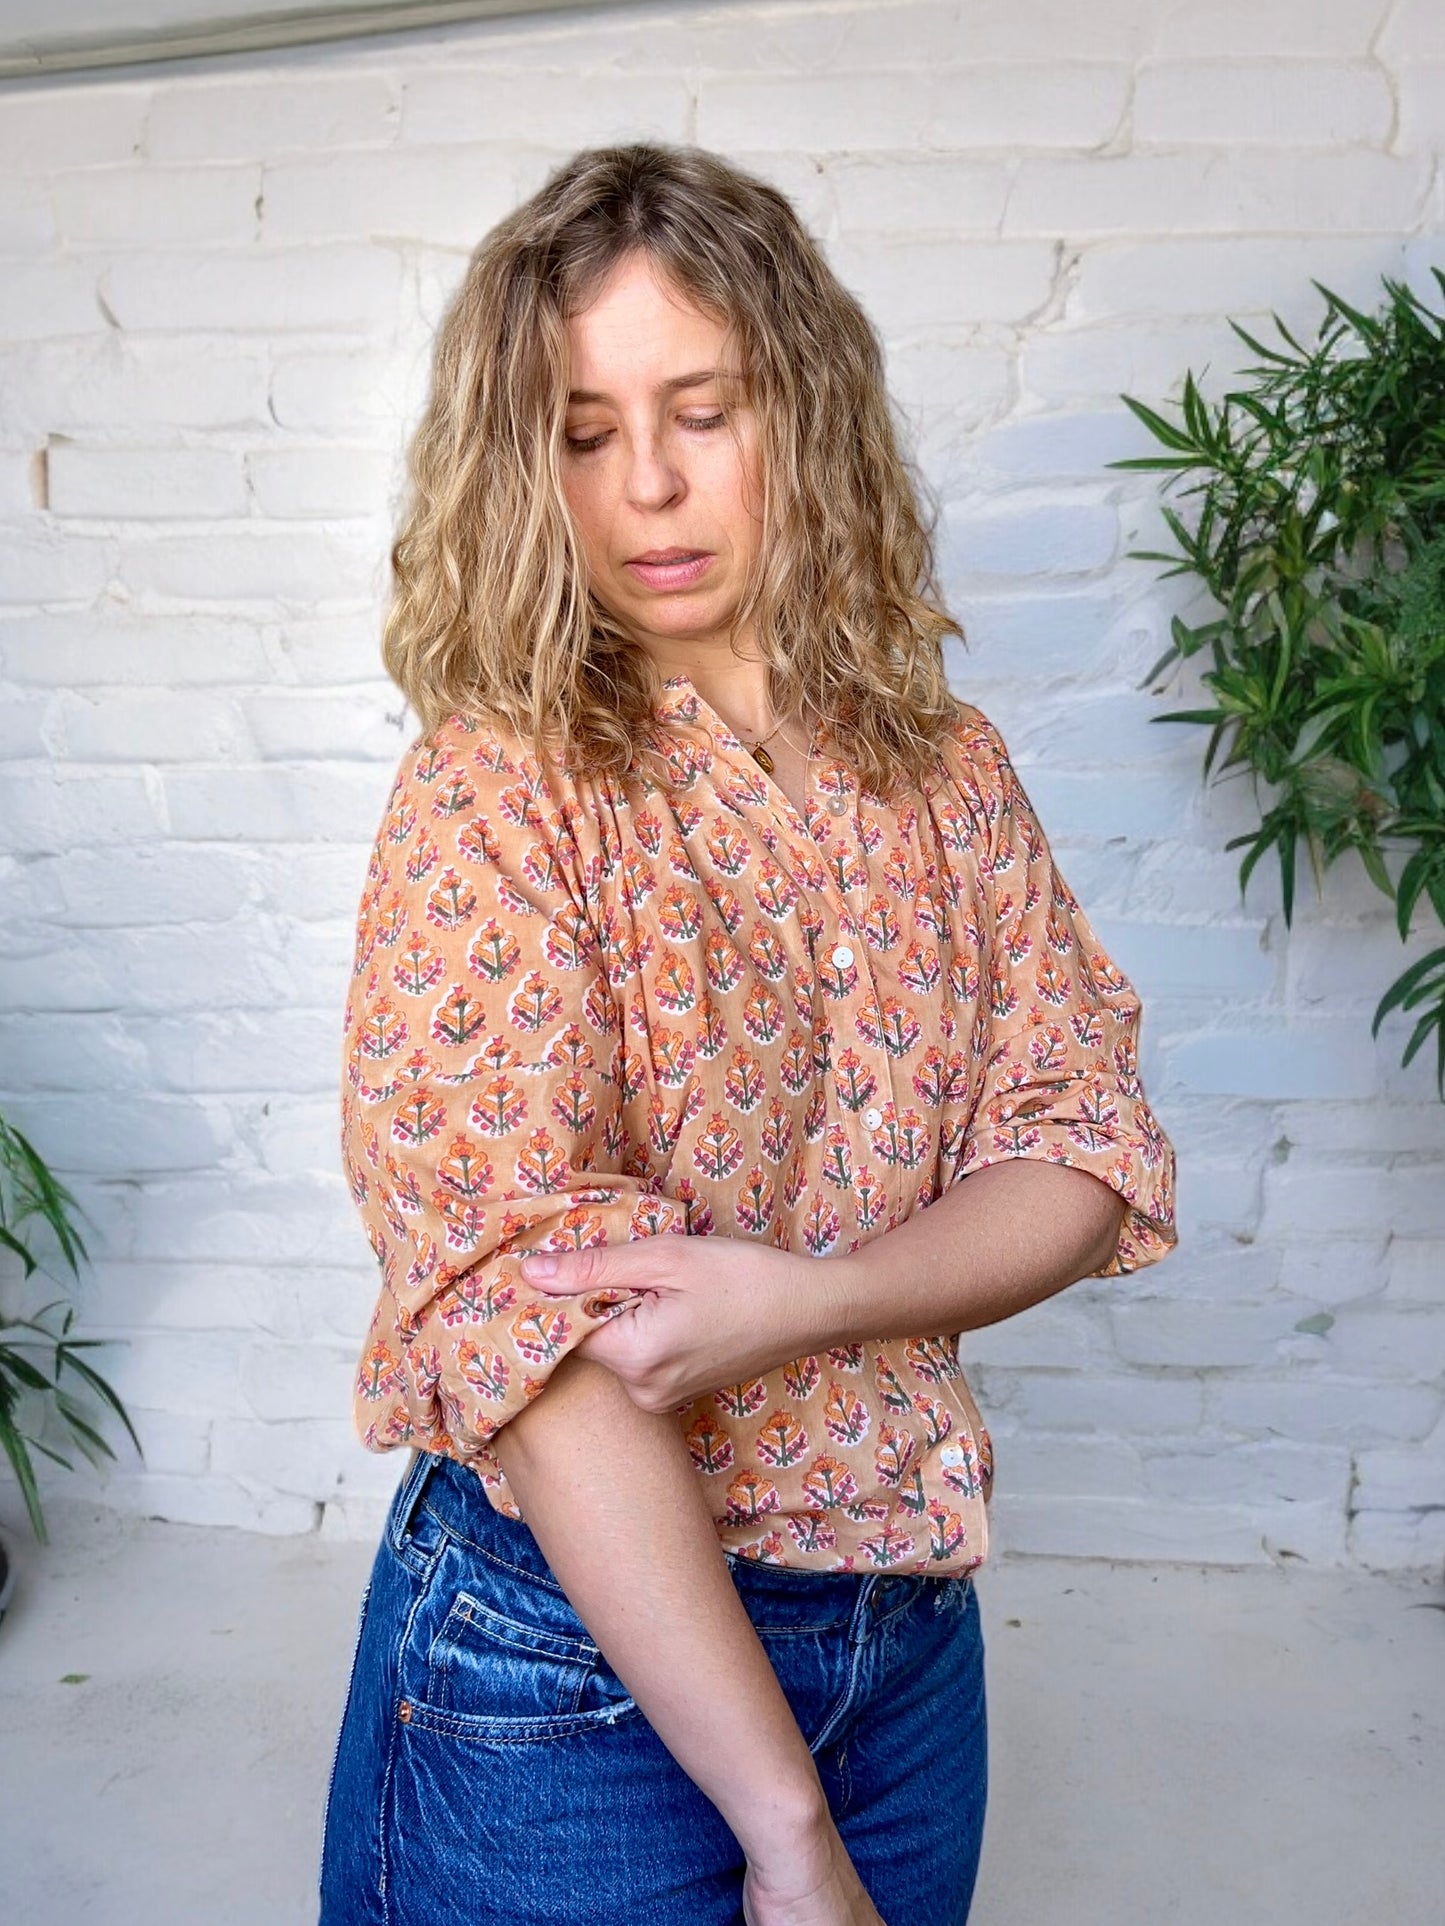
<point x="491" y="794"/>
<point x="975" y="758"/>
<point x="475" y="759"/>
<point x="974" y="742"/>
<point x="486" y="743"/>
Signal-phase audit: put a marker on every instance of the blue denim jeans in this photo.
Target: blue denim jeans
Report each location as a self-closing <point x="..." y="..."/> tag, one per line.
<point x="491" y="1767"/>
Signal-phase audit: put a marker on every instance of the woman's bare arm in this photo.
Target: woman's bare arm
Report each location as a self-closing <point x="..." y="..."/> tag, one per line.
<point x="717" y="1310"/>
<point x="613" y="1499"/>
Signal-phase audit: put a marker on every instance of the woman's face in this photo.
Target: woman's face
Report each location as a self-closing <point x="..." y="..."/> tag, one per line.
<point x="659" y="466"/>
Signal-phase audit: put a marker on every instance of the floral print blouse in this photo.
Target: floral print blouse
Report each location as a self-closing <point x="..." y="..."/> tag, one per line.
<point x="621" y="1009"/>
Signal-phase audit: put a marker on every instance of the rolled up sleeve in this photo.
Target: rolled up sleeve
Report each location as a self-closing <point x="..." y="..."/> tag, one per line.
<point x="1057" y="1041"/>
<point x="480" y="1097"/>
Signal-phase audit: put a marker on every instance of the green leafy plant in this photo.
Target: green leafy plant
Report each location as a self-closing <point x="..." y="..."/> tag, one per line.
<point x="1315" y="519"/>
<point x="38" y="1356"/>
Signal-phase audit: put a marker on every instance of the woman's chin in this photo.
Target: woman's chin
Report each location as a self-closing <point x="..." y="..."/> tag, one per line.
<point x="678" y="618"/>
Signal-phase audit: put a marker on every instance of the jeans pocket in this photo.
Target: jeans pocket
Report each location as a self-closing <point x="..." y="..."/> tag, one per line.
<point x="501" y="1658"/>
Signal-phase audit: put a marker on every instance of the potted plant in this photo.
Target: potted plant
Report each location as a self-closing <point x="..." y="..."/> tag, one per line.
<point x="1316" y="524"/>
<point x="45" y="1383"/>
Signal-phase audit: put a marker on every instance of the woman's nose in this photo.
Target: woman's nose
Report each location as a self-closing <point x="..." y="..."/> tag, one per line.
<point x="653" y="480"/>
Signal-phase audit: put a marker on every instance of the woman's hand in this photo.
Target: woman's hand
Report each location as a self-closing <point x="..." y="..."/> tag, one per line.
<point x="706" y="1311"/>
<point x="818" y="1886"/>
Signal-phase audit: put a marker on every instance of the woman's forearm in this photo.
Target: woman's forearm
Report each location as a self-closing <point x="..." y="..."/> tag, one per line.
<point x="716" y="1310"/>
<point x="1003" y="1239"/>
<point x="613" y="1499"/>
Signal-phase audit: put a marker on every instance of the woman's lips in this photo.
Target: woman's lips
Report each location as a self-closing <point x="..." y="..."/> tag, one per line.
<point x="676" y="568"/>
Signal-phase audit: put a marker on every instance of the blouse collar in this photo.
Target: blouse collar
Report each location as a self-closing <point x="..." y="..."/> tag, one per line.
<point x="681" y="701"/>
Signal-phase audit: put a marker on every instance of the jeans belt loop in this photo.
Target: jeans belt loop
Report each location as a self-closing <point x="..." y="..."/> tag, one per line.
<point x="415" y="1482"/>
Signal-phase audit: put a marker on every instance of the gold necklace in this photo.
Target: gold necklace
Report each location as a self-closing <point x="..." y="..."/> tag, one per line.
<point x="760" y="755"/>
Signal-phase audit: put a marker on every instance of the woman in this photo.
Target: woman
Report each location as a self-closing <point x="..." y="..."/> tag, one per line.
<point x="708" y="945"/>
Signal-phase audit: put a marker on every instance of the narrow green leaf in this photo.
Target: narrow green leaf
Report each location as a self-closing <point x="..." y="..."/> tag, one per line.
<point x="1402" y="991"/>
<point x="1162" y="430"/>
<point x="13" y="1442"/>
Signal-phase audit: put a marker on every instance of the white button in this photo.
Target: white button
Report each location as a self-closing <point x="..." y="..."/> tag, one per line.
<point x="842" y="956"/>
<point x="873" y="1118"/>
<point x="952" y="1454"/>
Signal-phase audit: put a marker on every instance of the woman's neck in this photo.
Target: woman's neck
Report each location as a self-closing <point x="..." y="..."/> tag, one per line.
<point x="736" y="686"/>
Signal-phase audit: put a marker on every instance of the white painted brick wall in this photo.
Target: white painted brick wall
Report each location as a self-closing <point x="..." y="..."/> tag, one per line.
<point x="217" y="286"/>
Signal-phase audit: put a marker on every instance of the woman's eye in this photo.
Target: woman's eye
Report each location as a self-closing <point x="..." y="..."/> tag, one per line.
<point x="699" y="424"/>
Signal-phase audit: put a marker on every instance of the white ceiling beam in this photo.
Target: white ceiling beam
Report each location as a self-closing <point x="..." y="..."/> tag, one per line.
<point x="33" y="57"/>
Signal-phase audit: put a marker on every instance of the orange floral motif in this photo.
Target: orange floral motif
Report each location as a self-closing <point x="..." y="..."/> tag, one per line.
<point x="801" y="1379"/>
<point x="845" y="1416"/>
<point x="946" y="1530"/>
<point x="749" y="1496"/>
<point x="742" y="1400"/>
<point x="782" y="1441"/>
<point x="384" y="1033"/>
<point x="887" y="1549"/>
<point x="418" y="967"/>
<point x="378" y="1375"/>
<point x="590" y="1009"/>
<point x="893" y="1454"/>
<point x="493" y="952"/>
<point x="893" y="1394"/>
<point x="710" y="1445"/>
<point x="757" y="1202"/>
<point x="500" y="1108"/>
<point x="451" y="902"/>
<point x="539" y="1333"/>
<point x="460" y="1018"/>
<point x="812" y="1532"/>
<point x="828" y="1483"/>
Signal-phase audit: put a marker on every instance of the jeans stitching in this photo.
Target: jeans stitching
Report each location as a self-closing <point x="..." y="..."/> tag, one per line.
<point x="401" y="1523"/>
<point x="579" y="1656"/>
<point x="341" y="1728"/>
<point x="856" y="1647"/>
<point x="492" y="1557"/>
<point x="536" y="1641"/>
<point x="394" y="1727"/>
<point x="467" y="1725"/>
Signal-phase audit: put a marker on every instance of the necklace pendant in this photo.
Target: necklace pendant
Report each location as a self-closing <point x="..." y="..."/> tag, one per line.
<point x="763" y="760"/>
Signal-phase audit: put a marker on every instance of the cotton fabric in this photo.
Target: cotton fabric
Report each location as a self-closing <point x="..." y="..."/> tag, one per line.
<point x="588" y="1010"/>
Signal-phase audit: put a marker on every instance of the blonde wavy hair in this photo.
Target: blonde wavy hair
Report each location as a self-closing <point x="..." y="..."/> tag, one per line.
<point x="492" y="615"/>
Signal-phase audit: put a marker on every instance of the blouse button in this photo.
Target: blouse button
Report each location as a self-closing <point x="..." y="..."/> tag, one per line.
<point x="951" y="1455"/>
<point x="873" y="1117"/>
<point x="842" y="956"/>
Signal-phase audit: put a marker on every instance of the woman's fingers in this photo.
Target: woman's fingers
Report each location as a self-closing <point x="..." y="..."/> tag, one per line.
<point x="568" y="1273"/>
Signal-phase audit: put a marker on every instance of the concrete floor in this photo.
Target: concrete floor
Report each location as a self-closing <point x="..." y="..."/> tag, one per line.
<point x="1168" y="1744"/>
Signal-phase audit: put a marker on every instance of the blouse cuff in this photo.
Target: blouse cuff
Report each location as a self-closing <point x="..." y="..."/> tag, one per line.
<point x="486" y="1341"/>
<point x="1087" y="1120"/>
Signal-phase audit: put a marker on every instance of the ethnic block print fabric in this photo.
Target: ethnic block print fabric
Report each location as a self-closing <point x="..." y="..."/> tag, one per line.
<point x="622" y="1009"/>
